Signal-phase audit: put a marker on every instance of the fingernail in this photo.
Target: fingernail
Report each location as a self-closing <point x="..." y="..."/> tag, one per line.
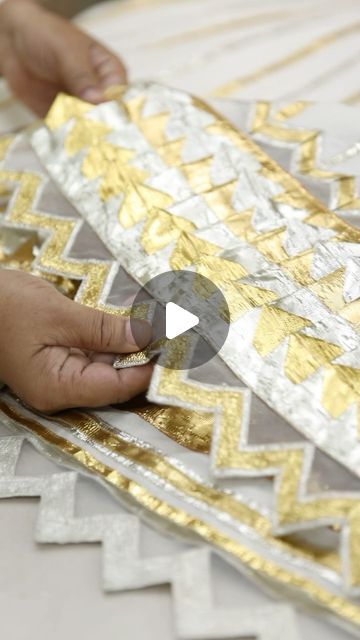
<point x="92" y="94"/>
<point x="109" y="82"/>
<point x="138" y="333"/>
<point x="98" y="54"/>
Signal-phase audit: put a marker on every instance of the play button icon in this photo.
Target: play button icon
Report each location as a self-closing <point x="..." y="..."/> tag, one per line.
<point x="189" y="316"/>
<point x="178" y="320"/>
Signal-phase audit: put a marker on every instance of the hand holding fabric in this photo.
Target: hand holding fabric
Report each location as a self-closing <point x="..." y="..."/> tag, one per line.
<point x="42" y="53"/>
<point x="57" y="354"/>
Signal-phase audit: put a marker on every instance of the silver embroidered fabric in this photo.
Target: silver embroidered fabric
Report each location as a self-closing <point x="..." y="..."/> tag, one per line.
<point x="63" y="520"/>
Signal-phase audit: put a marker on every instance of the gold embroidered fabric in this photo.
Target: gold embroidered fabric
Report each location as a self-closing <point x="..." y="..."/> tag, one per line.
<point x="156" y="180"/>
<point x="190" y="191"/>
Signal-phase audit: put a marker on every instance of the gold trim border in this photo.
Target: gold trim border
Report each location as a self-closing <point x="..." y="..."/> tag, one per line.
<point x="268" y="569"/>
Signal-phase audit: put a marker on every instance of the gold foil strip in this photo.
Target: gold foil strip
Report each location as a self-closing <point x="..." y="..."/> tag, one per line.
<point x="299" y="54"/>
<point x="190" y="429"/>
<point x="96" y="431"/>
<point x="353" y="98"/>
<point x="66" y="108"/>
<point x="307" y="140"/>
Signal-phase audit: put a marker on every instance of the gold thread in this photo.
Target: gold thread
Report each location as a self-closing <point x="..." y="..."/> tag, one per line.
<point x="274" y="326"/>
<point x="299" y="54"/>
<point x="219" y="27"/>
<point x="291" y="110"/>
<point x="353" y="98"/>
<point x="96" y="430"/>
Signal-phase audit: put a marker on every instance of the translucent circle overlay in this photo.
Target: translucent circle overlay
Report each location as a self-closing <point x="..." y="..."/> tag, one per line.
<point x="194" y="293"/>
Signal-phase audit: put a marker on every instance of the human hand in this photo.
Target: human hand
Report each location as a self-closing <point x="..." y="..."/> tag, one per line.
<point x="42" y="53"/>
<point x="56" y="354"/>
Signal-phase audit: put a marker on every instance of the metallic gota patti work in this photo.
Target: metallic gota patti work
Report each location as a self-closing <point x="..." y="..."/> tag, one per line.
<point x="257" y="453"/>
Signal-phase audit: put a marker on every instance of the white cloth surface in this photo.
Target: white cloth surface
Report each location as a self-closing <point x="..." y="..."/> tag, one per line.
<point x="265" y="49"/>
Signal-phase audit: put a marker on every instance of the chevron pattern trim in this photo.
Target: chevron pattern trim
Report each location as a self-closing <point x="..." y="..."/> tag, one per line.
<point x="123" y="567"/>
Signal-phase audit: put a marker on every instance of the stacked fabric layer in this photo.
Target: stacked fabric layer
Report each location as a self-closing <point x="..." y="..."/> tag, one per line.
<point x="254" y="454"/>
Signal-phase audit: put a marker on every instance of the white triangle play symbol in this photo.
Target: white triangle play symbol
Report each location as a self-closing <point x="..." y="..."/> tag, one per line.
<point x="178" y="320"/>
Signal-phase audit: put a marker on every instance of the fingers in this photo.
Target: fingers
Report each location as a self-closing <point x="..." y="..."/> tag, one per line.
<point x="107" y="358"/>
<point x="88" y="68"/>
<point x="66" y="379"/>
<point x="42" y="54"/>
<point x="98" y="385"/>
<point x="35" y="94"/>
<point x="109" y="69"/>
<point x="76" y="70"/>
<point x="74" y="381"/>
<point x="85" y="328"/>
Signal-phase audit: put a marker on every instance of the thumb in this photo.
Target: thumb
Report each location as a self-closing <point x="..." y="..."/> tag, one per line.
<point x="88" y="68"/>
<point x="94" y="330"/>
<point x="77" y="72"/>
